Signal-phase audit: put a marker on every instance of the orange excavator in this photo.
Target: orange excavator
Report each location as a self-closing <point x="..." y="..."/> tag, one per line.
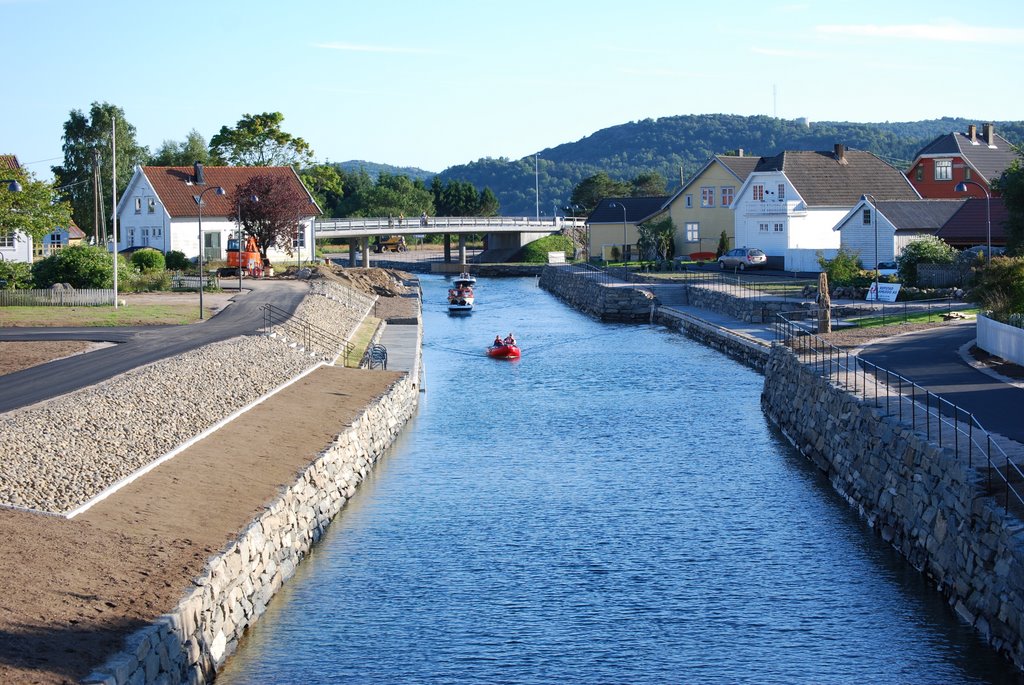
<point x="250" y="261"/>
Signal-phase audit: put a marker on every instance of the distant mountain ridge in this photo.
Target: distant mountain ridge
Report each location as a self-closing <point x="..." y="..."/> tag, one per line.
<point x="677" y="147"/>
<point x="374" y="169"/>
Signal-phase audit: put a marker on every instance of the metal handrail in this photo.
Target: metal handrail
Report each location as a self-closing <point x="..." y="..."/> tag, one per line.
<point x="312" y="336"/>
<point x="946" y="423"/>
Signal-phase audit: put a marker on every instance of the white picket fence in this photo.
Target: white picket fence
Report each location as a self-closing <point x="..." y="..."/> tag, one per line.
<point x="87" y="297"/>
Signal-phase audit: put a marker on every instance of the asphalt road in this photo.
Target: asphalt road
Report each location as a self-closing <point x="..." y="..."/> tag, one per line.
<point x="136" y="346"/>
<point x="931" y="359"/>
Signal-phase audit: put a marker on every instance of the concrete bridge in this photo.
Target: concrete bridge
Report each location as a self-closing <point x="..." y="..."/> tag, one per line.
<point x="503" y="232"/>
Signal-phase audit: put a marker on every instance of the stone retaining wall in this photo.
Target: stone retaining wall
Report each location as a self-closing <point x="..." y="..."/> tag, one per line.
<point x="190" y="643"/>
<point x="748" y="309"/>
<point x="605" y="301"/>
<point x="915" y="494"/>
<point x="742" y="348"/>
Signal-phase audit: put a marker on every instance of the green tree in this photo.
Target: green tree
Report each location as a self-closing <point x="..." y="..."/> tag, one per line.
<point x="185" y="153"/>
<point x="82" y="266"/>
<point x="1000" y="288"/>
<point x="1010" y="186"/>
<point x="723" y="244"/>
<point x="395" y="195"/>
<point x="591" y="190"/>
<point x="15" y="275"/>
<point x="489" y="205"/>
<point x="257" y="140"/>
<point x="35" y="211"/>
<point x="647" y="184"/>
<point x="843" y="269"/>
<point x="274" y="220"/>
<point x="926" y="250"/>
<point x="148" y="260"/>
<point x="657" y="239"/>
<point x="327" y="186"/>
<point x="87" y="149"/>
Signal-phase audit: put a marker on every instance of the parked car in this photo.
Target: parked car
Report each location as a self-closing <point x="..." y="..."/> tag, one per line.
<point x="887" y="269"/>
<point x="742" y="258"/>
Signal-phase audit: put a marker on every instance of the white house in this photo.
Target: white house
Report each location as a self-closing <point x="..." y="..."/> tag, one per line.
<point x="159" y="209"/>
<point x="790" y="204"/>
<point x="878" y="230"/>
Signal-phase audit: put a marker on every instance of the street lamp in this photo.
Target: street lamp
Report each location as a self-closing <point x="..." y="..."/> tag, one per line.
<point x="619" y="204"/>
<point x="12" y="185"/>
<point x="874" y="221"/>
<point x="199" y="201"/>
<point x="536" y="180"/>
<point x="961" y="187"/>
<point x="241" y="233"/>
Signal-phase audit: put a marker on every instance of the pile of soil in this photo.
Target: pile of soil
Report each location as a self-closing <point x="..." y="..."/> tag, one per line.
<point x="395" y="299"/>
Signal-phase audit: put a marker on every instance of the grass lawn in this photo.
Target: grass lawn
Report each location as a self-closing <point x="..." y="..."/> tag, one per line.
<point x="911" y="317"/>
<point x="361" y="340"/>
<point x="133" y="315"/>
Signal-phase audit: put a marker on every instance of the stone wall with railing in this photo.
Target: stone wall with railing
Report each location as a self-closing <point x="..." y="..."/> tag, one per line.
<point x="605" y="301"/>
<point x="924" y="499"/>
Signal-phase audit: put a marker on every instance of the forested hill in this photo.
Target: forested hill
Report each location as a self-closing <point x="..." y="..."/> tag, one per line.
<point x="665" y="145"/>
<point x="374" y="169"/>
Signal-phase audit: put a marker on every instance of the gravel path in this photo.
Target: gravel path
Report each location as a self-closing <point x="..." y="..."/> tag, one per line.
<point x="60" y="453"/>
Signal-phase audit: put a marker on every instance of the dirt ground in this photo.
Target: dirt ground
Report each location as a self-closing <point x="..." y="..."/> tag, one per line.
<point x="73" y="590"/>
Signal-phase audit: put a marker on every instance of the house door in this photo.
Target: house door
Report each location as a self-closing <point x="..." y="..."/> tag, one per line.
<point x="211" y="247"/>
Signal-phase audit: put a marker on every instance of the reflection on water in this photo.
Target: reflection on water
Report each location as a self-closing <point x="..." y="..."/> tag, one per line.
<point x="611" y="508"/>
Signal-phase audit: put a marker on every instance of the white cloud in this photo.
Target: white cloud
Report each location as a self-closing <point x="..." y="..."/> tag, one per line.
<point x="946" y="32"/>
<point x="352" y="47"/>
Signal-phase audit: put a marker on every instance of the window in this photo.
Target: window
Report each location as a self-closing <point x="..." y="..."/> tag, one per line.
<point x="138" y="205"/>
<point x="727" y="193"/>
<point x="692" y="233"/>
<point x="919" y="172"/>
<point x="782" y="191"/>
<point x="7" y="239"/>
<point x="758" y="192"/>
<point x="131" y="237"/>
<point x="943" y="170"/>
<point x="778" y="227"/>
<point x="56" y="239"/>
<point x="967" y="173"/>
<point x="300" y="239"/>
<point x="866" y="217"/>
<point x="707" y="196"/>
<point x="689" y="201"/>
<point x="762" y="228"/>
<point x="157" y="232"/>
<point x="151" y="205"/>
<point x="145" y="236"/>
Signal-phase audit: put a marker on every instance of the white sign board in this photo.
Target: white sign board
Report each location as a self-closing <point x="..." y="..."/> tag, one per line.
<point x="556" y="257"/>
<point x="886" y="292"/>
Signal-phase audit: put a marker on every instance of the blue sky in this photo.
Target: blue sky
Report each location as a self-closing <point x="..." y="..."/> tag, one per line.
<point x="433" y="84"/>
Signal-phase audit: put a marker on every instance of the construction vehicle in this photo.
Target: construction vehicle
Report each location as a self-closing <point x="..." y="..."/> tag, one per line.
<point x="392" y="243"/>
<point x="250" y="263"/>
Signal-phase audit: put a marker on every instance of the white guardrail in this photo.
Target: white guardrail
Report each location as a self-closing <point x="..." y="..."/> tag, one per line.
<point x="362" y="227"/>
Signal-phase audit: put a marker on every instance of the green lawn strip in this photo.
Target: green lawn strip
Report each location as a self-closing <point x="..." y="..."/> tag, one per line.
<point x="914" y="317"/>
<point x="361" y="340"/>
<point x="135" y="315"/>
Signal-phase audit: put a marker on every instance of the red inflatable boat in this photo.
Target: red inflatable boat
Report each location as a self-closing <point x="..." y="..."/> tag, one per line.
<point x="503" y="351"/>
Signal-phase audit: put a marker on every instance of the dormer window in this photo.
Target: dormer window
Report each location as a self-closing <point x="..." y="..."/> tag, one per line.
<point x="943" y="170"/>
<point x="138" y="205"/>
<point x="758" y="192"/>
<point x="151" y="205"/>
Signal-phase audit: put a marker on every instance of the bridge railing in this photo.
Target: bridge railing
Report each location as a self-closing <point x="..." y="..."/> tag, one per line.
<point x="438" y="224"/>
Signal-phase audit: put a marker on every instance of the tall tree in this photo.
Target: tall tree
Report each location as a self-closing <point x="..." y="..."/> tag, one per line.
<point x="489" y="204"/>
<point x="648" y="184"/>
<point x="257" y="140"/>
<point x="35" y="211"/>
<point x="274" y="220"/>
<point x="591" y="190"/>
<point x="1011" y="187"/>
<point x="87" y="152"/>
<point x="395" y="195"/>
<point x="184" y="153"/>
<point x="327" y="186"/>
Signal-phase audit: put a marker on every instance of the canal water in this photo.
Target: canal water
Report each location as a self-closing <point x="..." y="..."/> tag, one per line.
<point x="611" y="508"/>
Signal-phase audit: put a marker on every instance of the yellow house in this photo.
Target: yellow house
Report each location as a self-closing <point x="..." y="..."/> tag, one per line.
<point x="611" y="227"/>
<point x="701" y="209"/>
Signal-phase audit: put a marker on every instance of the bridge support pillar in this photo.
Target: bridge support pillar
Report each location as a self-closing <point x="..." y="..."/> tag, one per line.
<point x="462" y="249"/>
<point x="447" y="247"/>
<point x="366" y="252"/>
<point x="352" y="252"/>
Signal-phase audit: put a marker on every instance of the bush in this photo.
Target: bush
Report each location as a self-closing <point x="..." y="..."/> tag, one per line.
<point x="842" y="270"/>
<point x="1000" y="288"/>
<point x="148" y="260"/>
<point x="176" y="260"/>
<point x="81" y="266"/>
<point x="537" y="251"/>
<point x="16" y="275"/>
<point x="926" y="250"/>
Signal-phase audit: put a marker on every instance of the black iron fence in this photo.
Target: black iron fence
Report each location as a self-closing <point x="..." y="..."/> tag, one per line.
<point x="310" y="336"/>
<point x="894" y="395"/>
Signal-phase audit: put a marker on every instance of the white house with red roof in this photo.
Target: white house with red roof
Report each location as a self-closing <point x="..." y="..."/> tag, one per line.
<point x="159" y="209"/>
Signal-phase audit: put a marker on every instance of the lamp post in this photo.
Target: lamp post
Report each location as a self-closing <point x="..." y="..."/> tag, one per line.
<point x="241" y="234"/>
<point x="199" y="201"/>
<point x="961" y="187"/>
<point x="619" y="204"/>
<point x="874" y="221"/>
<point x="536" y="180"/>
<point x="12" y="185"/>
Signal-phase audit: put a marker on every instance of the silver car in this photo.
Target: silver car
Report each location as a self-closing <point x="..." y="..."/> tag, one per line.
<point x="742" y="258"/>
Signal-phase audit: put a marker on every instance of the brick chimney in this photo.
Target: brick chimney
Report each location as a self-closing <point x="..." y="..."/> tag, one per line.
<point x="197" y="175"/>
<point x="972" y="133"/>
<point x="840" y="152"/>
<point x="739" y="152"/>
<point x="990" y="134"/>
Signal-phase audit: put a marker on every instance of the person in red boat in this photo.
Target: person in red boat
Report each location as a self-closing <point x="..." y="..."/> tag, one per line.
<point x="497" y="341"/>
<point x="510" y="339"/>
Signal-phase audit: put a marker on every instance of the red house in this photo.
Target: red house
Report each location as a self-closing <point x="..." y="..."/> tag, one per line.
<point x="955" y="157"/>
